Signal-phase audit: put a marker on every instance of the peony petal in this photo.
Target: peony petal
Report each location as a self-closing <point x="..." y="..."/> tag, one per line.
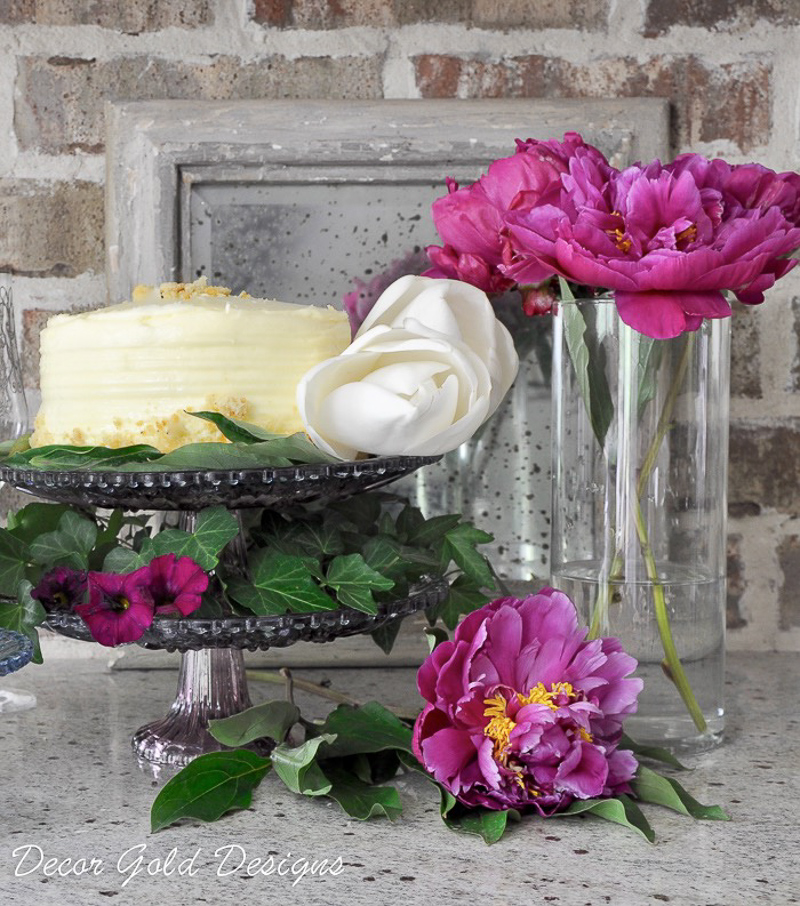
<point x="654" y="314"/>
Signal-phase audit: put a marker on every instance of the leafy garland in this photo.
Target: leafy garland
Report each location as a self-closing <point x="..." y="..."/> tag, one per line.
<point x="350" y="757"/>
<point x="355" y="553"/>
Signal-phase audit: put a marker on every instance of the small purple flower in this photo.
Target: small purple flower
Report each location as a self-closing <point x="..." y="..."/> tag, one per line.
<point x="120" y="607"/>
<point x="60" y="589"/>
<point x="176" y="585"/>
<point x="523" y="712"/>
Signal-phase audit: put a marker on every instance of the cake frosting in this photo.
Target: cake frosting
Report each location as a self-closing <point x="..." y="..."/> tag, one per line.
<point x="127" y="373"/>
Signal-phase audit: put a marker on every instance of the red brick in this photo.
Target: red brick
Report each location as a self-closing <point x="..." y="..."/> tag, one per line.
<point x="709" y="102"/>
<point x="789" y="594"/>
<point x="718" y="15"/>
<point x="745" y="352"/>
<point x="128" y="16"/>
<point x="51" y="229"/>
<point x="60" y="106"/>
<point x="503" y="14"/>
<point x="765" y="464"/>
<point x="736" y="583"/>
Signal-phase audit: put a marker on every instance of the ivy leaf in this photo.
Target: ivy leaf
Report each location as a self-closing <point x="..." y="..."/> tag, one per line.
<point x="35" y="519"/>
<point x="459" y="546"/>
<point x="649" y="786"/>
<point x="383" y="554"/>
<point x="111" y="531"/>
<point x="24" y="615"/>
<point x="432" y="531"/>
<point x="281" y="582"/>
<point x="464" y="597"/>
<point x="361" y="511"/>
<point x="361" y="800"/>
<point x="298" y="769"/>
<point x="386" y="635"/>
<point x="271" y="719"/>
<point x="409" y="522"/>
<point x="621" y="810"/>
<point x="208" y="787"/>
<point x="123" y="560"/>
<point x="365" y="728"/>
<point x="14" y="556"/>
<point x="588" y="364"/>
<point x="69" y="544"/>
<point x="215" y="527"/>
<point x="354" y="581"/>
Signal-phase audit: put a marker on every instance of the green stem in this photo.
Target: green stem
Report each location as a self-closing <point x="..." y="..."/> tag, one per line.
<point x="672" y="660"/>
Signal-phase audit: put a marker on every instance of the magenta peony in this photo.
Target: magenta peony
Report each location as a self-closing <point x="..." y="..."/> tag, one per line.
<point x="523" y="712"/>
<point x="120" y="607"/>
<point x="667" y="239"/>
<point x="176" y="585"/>
<point x="471" y="220"/>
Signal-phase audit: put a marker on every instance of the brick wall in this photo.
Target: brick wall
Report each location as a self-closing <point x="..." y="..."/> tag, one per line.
<point x="730" y="69"/>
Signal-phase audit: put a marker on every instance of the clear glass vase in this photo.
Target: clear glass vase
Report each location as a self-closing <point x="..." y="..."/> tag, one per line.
<point x="640" y="444"/>
<point x="500" y="478"/>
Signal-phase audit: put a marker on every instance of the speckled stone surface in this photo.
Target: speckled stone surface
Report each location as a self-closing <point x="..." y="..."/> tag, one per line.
<point x="69" y="784"/>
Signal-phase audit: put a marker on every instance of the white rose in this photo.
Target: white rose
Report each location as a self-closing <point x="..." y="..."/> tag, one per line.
<point x="456" y="310"/>
<point x="427" y="367"/>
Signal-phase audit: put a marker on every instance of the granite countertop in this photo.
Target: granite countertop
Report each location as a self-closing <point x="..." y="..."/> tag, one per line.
<point x="70" y="785"/>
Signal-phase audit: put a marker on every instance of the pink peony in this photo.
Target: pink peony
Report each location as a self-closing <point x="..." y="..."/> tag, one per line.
<point x="176" y="585"/>
<point x="523" y="712"/>
<point x="666" y="239"/>
<point x="120" y="607"/>
<point x="471" y="220"/>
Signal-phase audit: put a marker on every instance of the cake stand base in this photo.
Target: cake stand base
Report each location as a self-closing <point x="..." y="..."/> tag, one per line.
<point x="211" y="684"/>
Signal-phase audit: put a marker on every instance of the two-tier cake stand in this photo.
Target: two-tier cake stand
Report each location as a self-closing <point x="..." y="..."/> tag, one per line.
<point x="212" y="682"/>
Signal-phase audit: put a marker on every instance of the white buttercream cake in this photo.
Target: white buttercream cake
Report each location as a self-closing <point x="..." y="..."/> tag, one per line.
<point x="125" y="374"/>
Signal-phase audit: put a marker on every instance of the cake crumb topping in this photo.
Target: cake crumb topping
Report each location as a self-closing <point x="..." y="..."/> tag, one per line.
<point x="171" y="292"/>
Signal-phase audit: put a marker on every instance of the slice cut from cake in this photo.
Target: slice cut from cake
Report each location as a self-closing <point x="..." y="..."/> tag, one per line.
<point x="126" y="374"/>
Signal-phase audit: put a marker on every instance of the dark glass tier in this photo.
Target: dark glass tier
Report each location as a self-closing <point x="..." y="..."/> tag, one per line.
<point x="272" y="488"/>
<point x="253" y="633"/>
<point x="16" y="650"/>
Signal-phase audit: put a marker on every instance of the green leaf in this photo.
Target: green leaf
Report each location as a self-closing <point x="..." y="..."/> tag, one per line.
<point x="35" y="519"/>
<point x="365" y="728"/>
<point x="24" y="615"/>
<point x="489" y="824"/>
<point x="354" y="582"/>
<point x="123" y="560"/>
<point x="14" y="557"/>
<point x="295" y="447"/>
<point x="383" y="554"/>
<point x="589" y="365"/>
<point x="361" y="511"/>
<point x="459" y="546"/>
<point x="386" y="635"/>
<point x="409" y="522"/>
<point x="272" y="719"/>
<point x="61" y="457"/>
<point x="433" y="530"/>
<point x="654" y="753"/>
<point x="652" y="787"/>
<point x="436" y="635"/>
<point x="464" y="597"/>
<point x="110" y="532"/>
<point x="361" y="800"/>
<point x="298" y="769"/>
<point x="69" y="544"/>
<point x="221" y="456"/>
<point x="208" y="787"/>
<point x="281" y="582"/>
<point x="215" y="527"/>
<point x="647" y="366"/>
<point x="621" y="810"/>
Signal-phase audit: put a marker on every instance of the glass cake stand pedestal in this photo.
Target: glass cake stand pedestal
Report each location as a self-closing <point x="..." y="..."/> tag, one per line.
<point x="212" y="683"/>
